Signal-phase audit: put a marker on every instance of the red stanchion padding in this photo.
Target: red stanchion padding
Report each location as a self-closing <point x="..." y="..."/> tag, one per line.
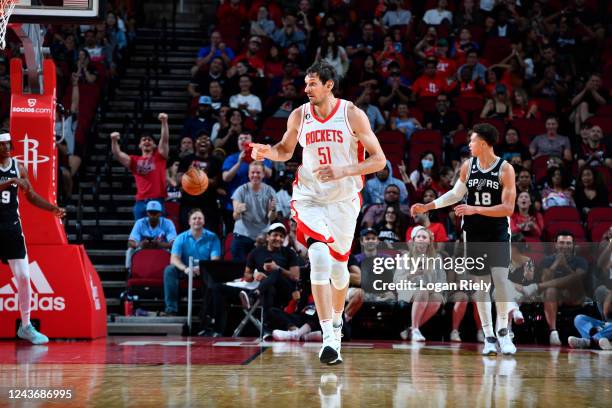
<point x="67" y="296"/>
<point x="33" y="136"/>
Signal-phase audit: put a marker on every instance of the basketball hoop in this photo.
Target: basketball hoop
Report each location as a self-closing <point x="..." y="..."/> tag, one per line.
<point x="6" y="9"/>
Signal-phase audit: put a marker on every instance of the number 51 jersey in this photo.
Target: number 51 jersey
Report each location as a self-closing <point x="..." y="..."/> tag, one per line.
<point x="329" y="141"/>
<point x="485" y="190"/>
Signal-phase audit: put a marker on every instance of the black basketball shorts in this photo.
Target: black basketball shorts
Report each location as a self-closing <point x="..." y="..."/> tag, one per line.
<point x="12" y="242"/>
<point x="492" y="246"/>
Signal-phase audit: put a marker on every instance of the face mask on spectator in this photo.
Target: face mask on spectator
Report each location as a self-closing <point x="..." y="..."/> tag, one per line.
<point x="427" y="164"/>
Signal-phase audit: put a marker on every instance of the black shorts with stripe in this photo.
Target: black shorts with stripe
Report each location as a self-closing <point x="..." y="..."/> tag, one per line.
<point x="493" y="246"/>
<point x="12" y="243"/>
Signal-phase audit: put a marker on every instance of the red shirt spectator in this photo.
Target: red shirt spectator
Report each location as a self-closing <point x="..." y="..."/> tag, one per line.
<point x="251" y="55"/>
<point x="429" y="86"/>
<point x="150" y="175"/>
<point x="149" y="169"/>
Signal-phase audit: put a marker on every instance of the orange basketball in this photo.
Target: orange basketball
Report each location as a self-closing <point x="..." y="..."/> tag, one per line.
<point x="194" y="181"/>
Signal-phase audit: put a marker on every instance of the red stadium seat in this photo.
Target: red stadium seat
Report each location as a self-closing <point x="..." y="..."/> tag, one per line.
<point x="539" y="168"/>
<point x="460" y="138"/>
<point x="427" y="103"/>
<point x="546" y="106"/>
<point x="604" y="122"/>
<point x="496" y="49"/>
<point x="468" y="108"/>
<point x="529" y="128"/>
<point x="604" y="110"/>
<point x="173" y="210"/>
<point x="148" y="268"/>
<point x="599" y="229"/>
<point x="599" y="215"/>
<point x="555" y="214"/>
<point x="426" y="136"/>
<point x="227" y="246"/>
<point x="273" y="128"/>
<point x="571" y="226"/>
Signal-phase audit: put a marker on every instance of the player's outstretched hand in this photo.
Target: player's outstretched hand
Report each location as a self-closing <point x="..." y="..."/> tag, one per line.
<point x="464" y="209"/>
<point x="329" y="173"/>
<point x="59" y="211"/>
<point x="417" y="209"/>
<point x="260" y="151"/>
<point x="163" y="117"/>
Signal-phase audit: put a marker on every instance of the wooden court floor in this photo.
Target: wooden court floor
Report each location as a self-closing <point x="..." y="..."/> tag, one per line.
<point x="189" y="372"/>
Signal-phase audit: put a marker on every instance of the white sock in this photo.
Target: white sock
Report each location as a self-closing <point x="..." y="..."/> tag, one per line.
<point x="305" y="329"/>
<point x="21" y="271"/>
<point x="327" y="327"/>
<point x="484" y="312"/>
<point x="503" y="295"/>
<point x="503" y="309"/>
<point x="337" y="318"/>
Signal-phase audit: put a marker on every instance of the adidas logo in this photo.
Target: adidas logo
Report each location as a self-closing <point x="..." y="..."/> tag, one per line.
<point x="40" y="287"/>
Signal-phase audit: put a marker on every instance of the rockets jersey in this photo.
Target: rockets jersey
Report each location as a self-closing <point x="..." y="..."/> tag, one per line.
<point x="329" y="141"/>
<point x="484" y="189"/>
<point x="9" y="201"/>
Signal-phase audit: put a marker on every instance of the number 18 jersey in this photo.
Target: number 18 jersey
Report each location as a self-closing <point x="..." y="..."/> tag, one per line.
<point x="485" y="190"/>
<point x="329" y="141"/>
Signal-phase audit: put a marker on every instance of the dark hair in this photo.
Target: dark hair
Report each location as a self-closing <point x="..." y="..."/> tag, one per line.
<point x="435" y="175"/>
<point x="565" y="181"/>
<point x="193" y="211"/>
<point x="486" y="132"/>
<point x="564" y="233"/>
<point x="325" y="72"/>
<point x="598" y="184"/>
<point x="325" y="46"/>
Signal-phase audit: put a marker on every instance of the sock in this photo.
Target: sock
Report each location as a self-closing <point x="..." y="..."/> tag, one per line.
<point x="503" y="309"/>
<point x="327" y="327"/>
<point x="337" y="318"/>
<point x="305" y="329"/>
<point x="21" y="271"/>
<point x="484" y="312"/>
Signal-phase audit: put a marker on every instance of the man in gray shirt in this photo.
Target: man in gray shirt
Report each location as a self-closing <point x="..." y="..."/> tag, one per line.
<point x="254" y="210"/>
<point x="551" y="143"/>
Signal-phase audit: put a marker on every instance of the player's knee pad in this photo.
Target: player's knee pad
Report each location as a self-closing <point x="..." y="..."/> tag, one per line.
<point x="339" y="274"/>
<point x="20" y="269"/>
<point x="320" y="263"/>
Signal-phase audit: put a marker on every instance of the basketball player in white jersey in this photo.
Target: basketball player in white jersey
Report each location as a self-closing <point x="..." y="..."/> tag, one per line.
<point x="326" y="200"/>
<point x="13" y="176"/>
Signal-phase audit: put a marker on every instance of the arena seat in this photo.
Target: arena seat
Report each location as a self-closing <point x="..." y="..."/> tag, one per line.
<point x="460" y="138"/>
<point x="498" y="123"/>
<point x="227" y="246"/>
<point x="148" y="268"/>
<point x="575" y="228"/>
<point x="600" y="214"/>
<point x="468" y="108"/>
<point x="546" y="106"/>
<point x="173" y="210"/>
<point x="539" y="168"/>
<point x="564" y="213"/>
<point x="426" y="137"/>
<point x="529" y="128"/>
<point x="598" y="229"/>
<point x="604" y="122"/>
<point x="496" y="49"/>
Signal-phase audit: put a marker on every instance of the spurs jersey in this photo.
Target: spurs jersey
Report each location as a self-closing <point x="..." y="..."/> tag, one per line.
<point x="9" y="203"/>
<point x="485" y="190"/>
<point x="329" y="141"/>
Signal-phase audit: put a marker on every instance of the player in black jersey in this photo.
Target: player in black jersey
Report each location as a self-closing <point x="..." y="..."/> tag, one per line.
<point x="489" y="183"/>
<point x="13" y="176"/>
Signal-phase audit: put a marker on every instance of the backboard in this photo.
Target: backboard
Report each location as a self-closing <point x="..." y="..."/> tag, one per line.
<point x="58" y="11"/>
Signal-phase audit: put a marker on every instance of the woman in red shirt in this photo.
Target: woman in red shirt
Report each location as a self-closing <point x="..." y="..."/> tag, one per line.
<point x="525" y="218"/>
<point x="522" y="108"/>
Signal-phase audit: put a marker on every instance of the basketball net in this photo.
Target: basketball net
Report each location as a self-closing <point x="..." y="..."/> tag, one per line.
<point x="6" y="9"/>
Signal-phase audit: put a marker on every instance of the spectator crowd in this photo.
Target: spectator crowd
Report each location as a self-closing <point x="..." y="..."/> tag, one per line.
<point x="424" y="72"/>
